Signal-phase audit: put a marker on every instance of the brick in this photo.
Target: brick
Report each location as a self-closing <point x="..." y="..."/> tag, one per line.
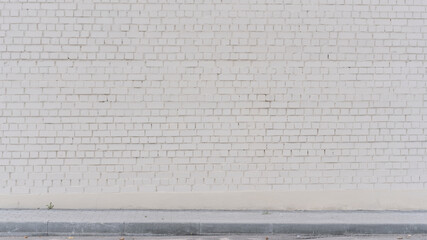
<point x="283" y="98"/>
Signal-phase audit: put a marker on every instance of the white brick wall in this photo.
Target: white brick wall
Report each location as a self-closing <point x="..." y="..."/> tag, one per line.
<point x="209" y="95"/>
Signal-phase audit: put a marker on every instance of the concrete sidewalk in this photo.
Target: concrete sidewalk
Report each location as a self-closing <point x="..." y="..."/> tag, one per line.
<point x="160" y="222"/>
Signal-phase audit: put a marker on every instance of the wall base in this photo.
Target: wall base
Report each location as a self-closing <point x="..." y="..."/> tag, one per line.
<point x="325" y="200"/>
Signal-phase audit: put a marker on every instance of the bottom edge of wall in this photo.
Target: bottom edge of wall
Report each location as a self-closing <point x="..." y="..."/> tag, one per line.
<point x="256" y="200"/>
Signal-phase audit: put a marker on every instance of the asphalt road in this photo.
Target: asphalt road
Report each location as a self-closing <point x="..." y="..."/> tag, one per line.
<point x="232" y="237"/>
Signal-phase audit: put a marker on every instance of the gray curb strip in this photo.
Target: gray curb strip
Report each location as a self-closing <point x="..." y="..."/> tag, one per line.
<point x="199" y="228"/>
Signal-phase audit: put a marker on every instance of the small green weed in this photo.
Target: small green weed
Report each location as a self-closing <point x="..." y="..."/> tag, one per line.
<point x="50" y="206"/>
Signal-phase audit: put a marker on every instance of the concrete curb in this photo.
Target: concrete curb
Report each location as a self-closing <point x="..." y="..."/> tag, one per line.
<point x="179" y="228"/>
<point x="34" y="222"/>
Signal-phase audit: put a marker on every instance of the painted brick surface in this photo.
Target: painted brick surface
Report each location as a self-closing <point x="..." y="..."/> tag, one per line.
<point x="209" y="95"/>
